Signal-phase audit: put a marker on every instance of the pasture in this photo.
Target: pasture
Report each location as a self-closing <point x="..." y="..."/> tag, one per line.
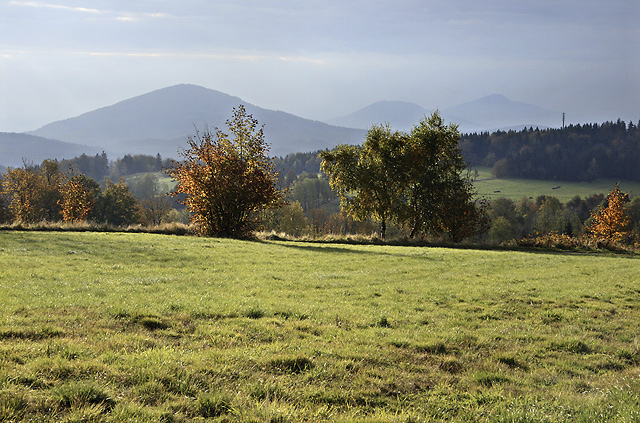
<point x="514" y="189"/>
<point x="113" y="327"/>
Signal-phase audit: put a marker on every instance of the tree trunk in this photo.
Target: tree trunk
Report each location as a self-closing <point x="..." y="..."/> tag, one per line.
<point x="415" y="229"/>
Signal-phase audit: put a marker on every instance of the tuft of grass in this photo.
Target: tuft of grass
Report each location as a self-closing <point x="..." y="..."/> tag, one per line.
<point x="32" y="334"/>
<point x="451" y="365"/>
<point x="488" y="379"/>
<point x="214" y="405"/>
<point x="13" y="405"/>
<point x="512" y="362"/>
<point x="438" y="348"/>
<point x="290" y="364"/>
<point x="571" y="345"/>
<point x="83" y="394"/>
<point x="383" y="322"/>
<point x="152" y="323"/>
<point x="254" y="313"/>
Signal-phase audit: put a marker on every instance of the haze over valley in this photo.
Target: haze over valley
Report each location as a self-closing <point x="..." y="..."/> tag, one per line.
<point x="160" y="121"/>
<point x="130" y="77"/>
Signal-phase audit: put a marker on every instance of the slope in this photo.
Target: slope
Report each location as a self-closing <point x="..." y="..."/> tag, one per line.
<point x="15" y="149"/>
<point x="160" y="121"/>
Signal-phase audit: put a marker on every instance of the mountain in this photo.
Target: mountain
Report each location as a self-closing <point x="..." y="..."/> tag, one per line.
<point x="17" y="148"/>
<point x="489" y="113"/>
<point x="161" y="121"/>
<point x="399" y="115"/>
<point x="495" y="112"/>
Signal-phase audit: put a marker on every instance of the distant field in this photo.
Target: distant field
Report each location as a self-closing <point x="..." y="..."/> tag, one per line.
<point x="100" y="327"/>
<point x="515" y="189"/>
<point x="165" y="183"/>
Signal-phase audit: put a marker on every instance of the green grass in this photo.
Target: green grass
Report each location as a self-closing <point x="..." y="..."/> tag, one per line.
<point x="515" y="189"/>
<point x="99" y="327"/>
<point x="512" y="188"/>
<point x="165" y="183"/>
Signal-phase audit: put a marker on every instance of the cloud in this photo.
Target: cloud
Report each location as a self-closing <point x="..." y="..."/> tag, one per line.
<point x="53" y="6"/>
<point x="228" y="56"/>
<point x="121" y="16"/>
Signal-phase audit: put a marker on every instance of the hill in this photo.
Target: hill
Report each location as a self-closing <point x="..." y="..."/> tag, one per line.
<point x="16" y="148"/>
<point x="490" y="113"/>
<point x="399" y="115"/>
<point x="160" y="121"/>
<point x="495" y="112"/>
<point x="574" y="153"/>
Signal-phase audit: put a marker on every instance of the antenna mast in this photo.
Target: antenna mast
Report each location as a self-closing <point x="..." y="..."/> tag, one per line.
<point x="562" y="120"/>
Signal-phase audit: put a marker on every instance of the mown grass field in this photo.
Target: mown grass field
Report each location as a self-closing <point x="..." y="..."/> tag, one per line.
<point x="514" y="189"/>
<point x="99" y="327"/>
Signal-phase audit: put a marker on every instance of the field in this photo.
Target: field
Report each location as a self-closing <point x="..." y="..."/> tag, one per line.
<point x="98" y="327"/>
<point x="490" y="187"/>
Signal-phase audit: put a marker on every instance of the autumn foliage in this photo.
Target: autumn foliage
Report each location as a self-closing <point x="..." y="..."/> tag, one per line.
<point x="226" y="180"/>
<point x="610" y="222"/>
<point x="32" y="193"/>
<point x="79" y="194"/>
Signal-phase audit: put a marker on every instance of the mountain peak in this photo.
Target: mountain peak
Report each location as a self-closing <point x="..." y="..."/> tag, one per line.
<point x="495" y="98"/>
<point x="400" y="115"/>
<point x="160" y="121"/>
<point x="497" y="111"/>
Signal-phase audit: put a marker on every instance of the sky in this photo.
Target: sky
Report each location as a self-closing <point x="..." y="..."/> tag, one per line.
<point x="320" y="59"/>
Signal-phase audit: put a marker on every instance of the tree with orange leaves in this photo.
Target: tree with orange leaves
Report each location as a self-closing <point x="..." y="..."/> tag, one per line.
<point x="227" y="181"/>
<point x="610" y="221"/>
<point x="27" y="192"/>
<point x="79" y="195"/>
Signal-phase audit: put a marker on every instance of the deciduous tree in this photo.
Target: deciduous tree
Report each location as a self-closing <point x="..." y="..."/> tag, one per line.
<point x="116" y="205"/>
<point x="368" y="179"/>
<point x="79" y="196"/>
<point x="23" y="188"/>
<point x="227" y="179"/>
<point x="154" y="209"/>
<point x="415" y="179"/>
<point x="611" y="221"/>
<point x="439" y="195"/>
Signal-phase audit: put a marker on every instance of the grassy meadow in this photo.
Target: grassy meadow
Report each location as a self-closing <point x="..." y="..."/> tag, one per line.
<point x="514" y="189"/>
<point x="114" y="327"/>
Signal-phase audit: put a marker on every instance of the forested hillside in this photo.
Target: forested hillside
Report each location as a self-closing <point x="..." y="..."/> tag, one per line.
<point x="574" y="153"/>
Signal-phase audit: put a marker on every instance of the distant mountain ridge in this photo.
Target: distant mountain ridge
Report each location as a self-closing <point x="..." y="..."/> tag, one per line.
<point x="399" y="115"/>
<point x="488" y="113"/>
<point x="16" y="148"/>
<point x="496" y="112"/>
<point x="161" y="121"/>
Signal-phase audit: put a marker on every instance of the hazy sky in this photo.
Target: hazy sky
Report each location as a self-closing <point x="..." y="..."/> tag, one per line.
<point x="320" y="59"/>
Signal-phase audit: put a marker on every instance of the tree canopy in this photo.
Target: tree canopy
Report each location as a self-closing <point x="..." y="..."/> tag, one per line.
<point x="414" y="179"/>
<point x="610" y="221"/>
<point x="574" y="153"/>
<point x="227" y="179"/>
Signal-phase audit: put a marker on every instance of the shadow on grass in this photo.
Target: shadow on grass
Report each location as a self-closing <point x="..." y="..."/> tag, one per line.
<point x="340" y="246"/>
<point x="325" y="248"/>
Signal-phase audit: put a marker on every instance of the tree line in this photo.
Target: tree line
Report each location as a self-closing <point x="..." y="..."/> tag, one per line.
<point x="35" y="193"/>
<point x="99" y="167"/>
<point x="574" y="153"/>
<point x="395" y="183"/>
